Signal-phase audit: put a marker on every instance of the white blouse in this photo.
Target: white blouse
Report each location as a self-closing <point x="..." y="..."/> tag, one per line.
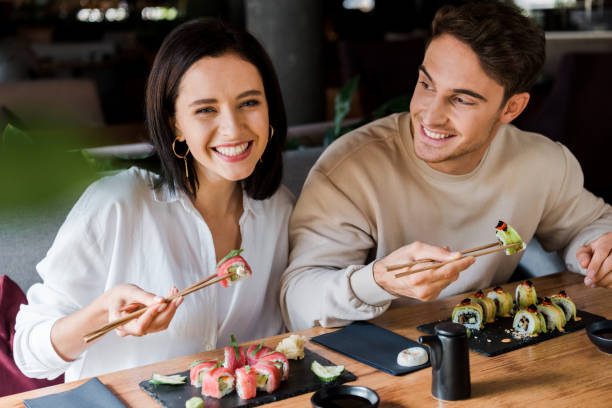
<point x="123" y="231"/>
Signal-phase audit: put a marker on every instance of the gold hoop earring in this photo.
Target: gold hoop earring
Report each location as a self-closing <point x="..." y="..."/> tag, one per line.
<point x="271" y="132"/>
<point x="184" y="157"/>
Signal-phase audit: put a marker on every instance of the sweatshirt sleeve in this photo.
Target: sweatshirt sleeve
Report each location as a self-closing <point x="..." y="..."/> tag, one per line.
<point x="73" y="274"/>
<point x="576" y="217"/>
<point x="329" y="281"/>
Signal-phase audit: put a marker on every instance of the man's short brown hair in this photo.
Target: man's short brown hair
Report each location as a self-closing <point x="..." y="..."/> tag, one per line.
<point x="508" y="44"/>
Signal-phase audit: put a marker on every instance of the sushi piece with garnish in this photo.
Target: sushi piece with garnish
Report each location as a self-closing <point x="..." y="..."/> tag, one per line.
<point x="488" y="306"/>
<point x="566" y="304"/>
<point x="218" y="382"/>
<point x="508" y="235"/>
<point x="469" y="314"/>
<point x="246" y="382"/>
<point x="255" y="351"/>
<point x="553" y="315"/>
<point x="525" y="294"/>
<point x="233" y="263"/>
<point x="529" y="321"/>
<point x="235" y="356"/>
<point x="503" y="302"/>
<point x="198" y="367"/>
<point x="268" y="376"/>
<point x="279" y="360"/>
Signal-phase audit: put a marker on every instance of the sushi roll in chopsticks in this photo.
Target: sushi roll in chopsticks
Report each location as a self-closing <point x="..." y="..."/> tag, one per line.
<point x="529" y="321"/>
<point x="566" y="304"/>
<point x="234" y="355"/>
<point x="279" y="360"/>
<point x="218" y="382"/>
<point x="503" y="301"/>
<point x="525" y="294"/>
<point x="198" y="367"/>
<point x="487" y="304"/>
<point x="255" y="351"/>
<point x="268" y="376"/>
<point x="246" y="382"/>
<point x="553" y="315"/>
<point x="508" y="235"/>
<point x="231" y="263"/>
<point x="469" y="314"/>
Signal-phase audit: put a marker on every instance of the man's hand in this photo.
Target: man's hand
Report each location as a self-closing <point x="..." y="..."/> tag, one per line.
<point x="596" y="258"/>
<point x="425" y="285"/>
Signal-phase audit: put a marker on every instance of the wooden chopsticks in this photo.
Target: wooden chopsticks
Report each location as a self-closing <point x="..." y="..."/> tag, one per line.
<point x="101" y="331"/>
<point x="439" y="264"/>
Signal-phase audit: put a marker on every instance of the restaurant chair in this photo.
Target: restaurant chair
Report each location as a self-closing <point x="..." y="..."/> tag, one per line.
<point x="12" y="381"/>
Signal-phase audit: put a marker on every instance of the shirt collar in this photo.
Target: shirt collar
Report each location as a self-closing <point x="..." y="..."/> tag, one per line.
<point x="164" y="194"/>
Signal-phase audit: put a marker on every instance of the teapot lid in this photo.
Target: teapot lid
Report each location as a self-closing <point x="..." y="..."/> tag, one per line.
<point x="450" y="329"/>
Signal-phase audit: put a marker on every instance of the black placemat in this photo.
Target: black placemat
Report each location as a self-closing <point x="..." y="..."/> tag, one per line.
<point x="301" y="380"/>
<point x="371" y="345"/>
<point x="488" y="341"/>
<point x="92" y="394"/>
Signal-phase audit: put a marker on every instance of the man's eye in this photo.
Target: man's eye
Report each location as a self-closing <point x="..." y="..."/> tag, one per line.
<point x="250" y="102"/>
<point x="425" y="85"/>
<point x="463" y="101"/>
<point x="208" y="109"/>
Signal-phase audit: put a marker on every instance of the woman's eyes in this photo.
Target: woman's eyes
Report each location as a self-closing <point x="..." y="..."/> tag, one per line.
<point x="244" y="104"/>
<point x="250" y="102"/>
<point x="207" y="109"/>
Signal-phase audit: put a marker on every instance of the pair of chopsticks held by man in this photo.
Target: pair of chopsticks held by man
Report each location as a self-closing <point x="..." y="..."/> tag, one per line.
<point x="412" y="186"/>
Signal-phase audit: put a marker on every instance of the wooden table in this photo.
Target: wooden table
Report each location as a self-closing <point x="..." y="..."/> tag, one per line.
<point x="567" y="371"/>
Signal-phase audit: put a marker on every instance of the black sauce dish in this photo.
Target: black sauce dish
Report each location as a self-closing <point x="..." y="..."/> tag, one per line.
<point x="600" y="334"/>
<point x="345" y="396"/>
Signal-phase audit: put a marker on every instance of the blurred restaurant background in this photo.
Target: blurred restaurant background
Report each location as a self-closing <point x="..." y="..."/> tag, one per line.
<point x="86" y="61"/>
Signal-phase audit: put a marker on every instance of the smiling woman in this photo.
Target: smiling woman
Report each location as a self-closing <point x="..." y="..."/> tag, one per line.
<point x="216" y="118"/>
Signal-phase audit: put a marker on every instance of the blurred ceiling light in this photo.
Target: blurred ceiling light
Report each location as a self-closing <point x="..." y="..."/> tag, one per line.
<point x="159" y="13"/>
<point x="544" y="4"/>
<point x="116" y="14"/>
<point x="364" y="5"/>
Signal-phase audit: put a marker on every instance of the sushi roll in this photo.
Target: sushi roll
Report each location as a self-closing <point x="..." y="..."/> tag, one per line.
<point x="469" y="314"/>
<point x="525" y="294"/>
<point x="255" y="351"/>
<point x="529" y="321"/>
<point x="233" y="262"/>
<point x="280" y="361"/>
<point x="268" y="376"/>
<point x="198" y="367"/>
<point x="487" y="304"/>
<point x="503" y="301"/>
<point x="246" y="382"/>
<point x="234" y="355"/>
<point x="508" y="235"/>
<point x="554" y="317"/>
<point x="218" y="382"/>
<point x="566" y="304"/>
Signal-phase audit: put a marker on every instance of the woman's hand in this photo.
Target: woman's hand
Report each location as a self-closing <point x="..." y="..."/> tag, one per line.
<point x="125" y="299"/>
<point x="425" y="285"/>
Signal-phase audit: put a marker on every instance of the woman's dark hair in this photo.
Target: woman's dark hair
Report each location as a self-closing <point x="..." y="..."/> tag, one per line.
<point x="185" y="45"/>
<point x="508" y="44"/>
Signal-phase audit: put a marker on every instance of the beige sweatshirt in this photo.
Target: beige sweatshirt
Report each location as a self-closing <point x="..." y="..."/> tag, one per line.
<point x="369" y="194"/>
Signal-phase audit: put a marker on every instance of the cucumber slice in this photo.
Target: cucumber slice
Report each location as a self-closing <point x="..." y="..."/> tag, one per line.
<point x="326" y="373"/>
<point x="167" y="379"/>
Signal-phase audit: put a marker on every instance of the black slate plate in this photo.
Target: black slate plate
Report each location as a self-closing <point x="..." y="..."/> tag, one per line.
<point x="301" y="380"/>
<point x="371" y="345"/>
<point x="497" y="331"/>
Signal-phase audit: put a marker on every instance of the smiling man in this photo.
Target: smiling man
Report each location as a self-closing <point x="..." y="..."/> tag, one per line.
<point x="423" y="184"/>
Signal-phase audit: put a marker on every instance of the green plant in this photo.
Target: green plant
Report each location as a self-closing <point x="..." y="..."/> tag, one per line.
<point x="343" y="106"/>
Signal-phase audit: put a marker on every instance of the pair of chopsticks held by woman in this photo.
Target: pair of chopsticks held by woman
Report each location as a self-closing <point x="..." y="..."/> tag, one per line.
<point x="215" y="115"/>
